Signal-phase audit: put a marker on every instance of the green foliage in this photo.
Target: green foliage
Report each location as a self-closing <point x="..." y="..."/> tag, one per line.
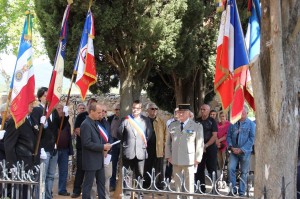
<point x="133" y="33"/>
<point x="11" y="26"/>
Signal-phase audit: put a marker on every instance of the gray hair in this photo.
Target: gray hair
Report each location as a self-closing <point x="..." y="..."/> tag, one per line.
<point x="80" y="104"/>
<point x="150" y="105"/>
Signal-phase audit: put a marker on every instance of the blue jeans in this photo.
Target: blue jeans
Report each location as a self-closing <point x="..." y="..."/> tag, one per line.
<point x="244" y="161"/>
<point x="62" y="161"/>
<point x="50" y="167"/>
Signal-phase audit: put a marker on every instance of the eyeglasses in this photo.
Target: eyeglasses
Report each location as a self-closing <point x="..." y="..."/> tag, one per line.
<point x="104" y="111"/>
<point x="154" y="109"/>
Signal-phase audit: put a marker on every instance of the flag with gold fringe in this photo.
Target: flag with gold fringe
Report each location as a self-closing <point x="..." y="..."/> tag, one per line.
<point x="231" y="62"/>
<point x="55" y="88"/>
<point x="23" y="82"/>
<point x="85" y="65"/>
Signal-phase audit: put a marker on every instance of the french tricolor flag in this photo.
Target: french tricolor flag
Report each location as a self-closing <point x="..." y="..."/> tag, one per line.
<point x="231" y="63"/>
<point x="56" y="82"/>
<point x="23" y="82"/>
<point x="85" y="65"/>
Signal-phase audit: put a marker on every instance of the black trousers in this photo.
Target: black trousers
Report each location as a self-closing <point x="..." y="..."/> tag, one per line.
<point x="169" y="171"/>
<point x="88" y="183"/>
<point x="157" y="164"/>
<point x="79" y="173"/>
<point x="209" y="160"/>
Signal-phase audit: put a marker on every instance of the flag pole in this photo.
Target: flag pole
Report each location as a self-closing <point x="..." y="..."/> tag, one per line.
<point x="67" y="102"/>
<point x="46" y="105"/>
<point x="40" y="132"/>
<point x="6" y="109"/>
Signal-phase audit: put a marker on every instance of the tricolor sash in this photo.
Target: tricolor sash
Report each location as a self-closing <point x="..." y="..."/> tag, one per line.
<point x="103" y="133"/>
<point x="137" y="127"/>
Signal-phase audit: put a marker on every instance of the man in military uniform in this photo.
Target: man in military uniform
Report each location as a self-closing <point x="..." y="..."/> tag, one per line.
<point x="184" y="147"/>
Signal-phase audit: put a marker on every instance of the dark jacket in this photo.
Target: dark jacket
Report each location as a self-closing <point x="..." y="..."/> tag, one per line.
<point x="92" y="146"/>
<point x="20" y="143"/>
<point x="49" y="134"/>
<point x="78" y="121"/>
<point x="65" y="138"/>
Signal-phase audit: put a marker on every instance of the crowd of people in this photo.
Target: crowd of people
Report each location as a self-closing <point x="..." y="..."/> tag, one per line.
<point x="183" y="144"/>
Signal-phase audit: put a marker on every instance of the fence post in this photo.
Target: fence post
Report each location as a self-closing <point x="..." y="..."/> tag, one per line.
<point x="42" y="181"/>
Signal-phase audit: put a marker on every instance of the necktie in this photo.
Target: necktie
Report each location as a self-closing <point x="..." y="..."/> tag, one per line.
<point x="181" y="126"/>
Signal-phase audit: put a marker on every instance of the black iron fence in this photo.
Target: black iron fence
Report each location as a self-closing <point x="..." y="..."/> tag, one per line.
<point x="18" y="182"/>
<point x="216" y="187"/>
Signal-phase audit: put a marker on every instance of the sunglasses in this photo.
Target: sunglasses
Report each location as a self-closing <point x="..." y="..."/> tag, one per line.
<point x="154" y="109"/>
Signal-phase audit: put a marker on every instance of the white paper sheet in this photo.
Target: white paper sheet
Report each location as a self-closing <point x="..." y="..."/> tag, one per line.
<point x="107" y="159"/>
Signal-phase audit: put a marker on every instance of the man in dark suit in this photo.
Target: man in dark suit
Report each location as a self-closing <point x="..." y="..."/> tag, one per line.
<point x="134" y="133"/>
<point x="93" y="149"/>
<point x="79" y="171"/>
<point x="20" y="144"/>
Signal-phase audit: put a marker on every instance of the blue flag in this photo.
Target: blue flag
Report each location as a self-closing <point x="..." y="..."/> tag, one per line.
<point x="253" y="31"/>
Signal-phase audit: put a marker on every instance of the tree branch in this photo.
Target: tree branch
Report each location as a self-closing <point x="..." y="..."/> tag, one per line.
<point x="163" y="79"/>
<point x="109" y="59"/>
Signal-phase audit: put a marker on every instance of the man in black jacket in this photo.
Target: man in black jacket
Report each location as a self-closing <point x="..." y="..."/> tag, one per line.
<point x="93" y="148"/>
<point x="79" y="171"/>
<point x="20" y="144"/>
<point x="49" y="136"/>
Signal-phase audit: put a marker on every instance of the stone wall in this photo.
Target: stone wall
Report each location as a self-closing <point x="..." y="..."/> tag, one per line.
<point x="109" y="100"/>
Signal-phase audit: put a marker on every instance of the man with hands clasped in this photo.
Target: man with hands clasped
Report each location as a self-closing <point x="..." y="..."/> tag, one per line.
<point x="184" y="147"/>
<point x="240" y="139"/>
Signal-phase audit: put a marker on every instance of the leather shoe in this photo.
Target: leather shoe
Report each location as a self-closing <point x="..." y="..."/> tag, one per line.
<point x="75" y="195"/>
<point x="64" y="194"/>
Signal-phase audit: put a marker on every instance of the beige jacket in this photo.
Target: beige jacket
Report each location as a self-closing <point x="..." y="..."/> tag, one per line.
<point x="160" y="130"/>
<point x="184" y="147"/>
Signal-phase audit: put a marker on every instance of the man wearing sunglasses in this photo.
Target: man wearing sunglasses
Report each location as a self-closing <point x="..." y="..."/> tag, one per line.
<point x="155" y="147"/>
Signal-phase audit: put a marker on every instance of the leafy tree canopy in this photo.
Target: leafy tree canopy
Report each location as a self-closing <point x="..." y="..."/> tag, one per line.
<point x="11" y="26"/>
<point x="129" y="34"/>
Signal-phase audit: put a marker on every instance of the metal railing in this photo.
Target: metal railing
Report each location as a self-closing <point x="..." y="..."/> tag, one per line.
<point x="214" y="186"/>
<point x="18" y="182"/>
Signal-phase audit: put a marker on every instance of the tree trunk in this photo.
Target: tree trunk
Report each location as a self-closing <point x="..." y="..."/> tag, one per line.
<point x="276" y="86"/>
<point x="131" y="84"/>
<point x="130" y="90"/>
